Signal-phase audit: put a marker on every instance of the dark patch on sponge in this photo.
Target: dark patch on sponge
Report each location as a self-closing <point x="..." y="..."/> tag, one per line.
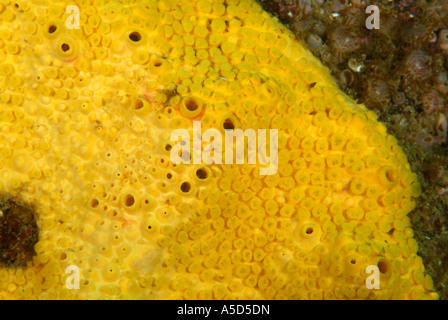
<point x="18" y="232"/>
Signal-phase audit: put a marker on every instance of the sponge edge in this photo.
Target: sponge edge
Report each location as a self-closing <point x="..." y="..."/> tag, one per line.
<point x="86" y="116"/>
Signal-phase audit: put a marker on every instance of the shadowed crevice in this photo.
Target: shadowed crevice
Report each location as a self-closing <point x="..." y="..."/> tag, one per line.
<point x="18" y="232"/>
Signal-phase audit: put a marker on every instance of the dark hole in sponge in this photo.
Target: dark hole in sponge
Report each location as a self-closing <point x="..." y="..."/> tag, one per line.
<point x="191" y="104"/>
<point x="228" y="124"/>
<point x="52" y="29"/>
<point x="135" y="36"/>
<point x="138" y="104"/>
<point x="185" y="187"/>
<point x="18" y="232"/>
<point x="201" y="173"/>
<point x="391" y="175"/>
<point x="309" y="230"/>
<point x="383" y="266"/>
<point x="65" y="47"/>
<point x="129" y="200"/>
<point x="94" y="203"/>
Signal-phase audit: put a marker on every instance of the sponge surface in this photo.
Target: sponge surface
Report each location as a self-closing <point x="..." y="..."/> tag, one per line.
<point x="85" y="123"/>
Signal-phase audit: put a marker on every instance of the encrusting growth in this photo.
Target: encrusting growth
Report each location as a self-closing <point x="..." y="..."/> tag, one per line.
<point x="86" y="116"/>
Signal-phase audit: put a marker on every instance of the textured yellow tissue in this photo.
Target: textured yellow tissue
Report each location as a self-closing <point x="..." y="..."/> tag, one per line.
<point x="85" y="123"/>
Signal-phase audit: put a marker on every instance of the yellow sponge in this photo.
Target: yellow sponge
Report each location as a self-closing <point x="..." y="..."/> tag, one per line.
<point x="85" y="123"/>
